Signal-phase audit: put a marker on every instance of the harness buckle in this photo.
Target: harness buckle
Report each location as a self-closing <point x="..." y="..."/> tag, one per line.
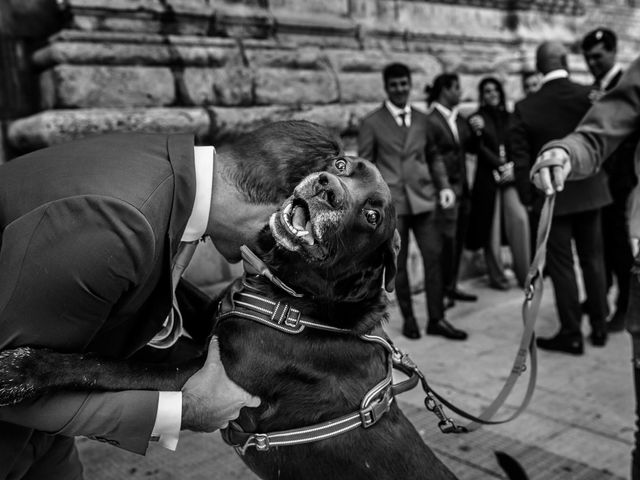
<point x="293" y="321"/>
<point x="374" y="412"/>
<point x="262" y="442"/>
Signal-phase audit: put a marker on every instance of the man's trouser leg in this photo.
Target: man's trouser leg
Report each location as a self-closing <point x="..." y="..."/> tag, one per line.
<point x="633" y="327"/>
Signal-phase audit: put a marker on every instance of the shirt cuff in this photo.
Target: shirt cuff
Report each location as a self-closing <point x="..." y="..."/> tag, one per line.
<point x="166" y="429"/>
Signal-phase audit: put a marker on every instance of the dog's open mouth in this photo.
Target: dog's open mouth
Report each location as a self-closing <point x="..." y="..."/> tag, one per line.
<point x="293" y="229"/>
<point x="297" y="220"/>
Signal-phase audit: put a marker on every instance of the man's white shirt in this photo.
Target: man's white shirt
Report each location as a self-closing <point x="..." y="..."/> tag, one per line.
<point x="166" y="429"/>
<point x="398" y="112"/>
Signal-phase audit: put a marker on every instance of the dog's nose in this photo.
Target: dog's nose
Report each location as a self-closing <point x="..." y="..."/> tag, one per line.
<point x="328" y="188"/>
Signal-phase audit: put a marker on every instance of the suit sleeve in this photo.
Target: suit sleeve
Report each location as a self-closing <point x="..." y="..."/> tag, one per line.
<point x="518" y="150"/>
<point x="435" y="161"/>
<point x="122" y="419"/>
<point x="367" y="141"/>
<point x="62" y="269"/>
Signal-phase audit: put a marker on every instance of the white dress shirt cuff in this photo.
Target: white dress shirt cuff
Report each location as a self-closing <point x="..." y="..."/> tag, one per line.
<point x="166" y="430"/>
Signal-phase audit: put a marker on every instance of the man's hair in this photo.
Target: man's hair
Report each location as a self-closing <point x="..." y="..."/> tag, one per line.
<point x="395" y="70"/>
<point x="267" y="163"/>
<point x="442" y="81"/>
<point x="604" y="36"/>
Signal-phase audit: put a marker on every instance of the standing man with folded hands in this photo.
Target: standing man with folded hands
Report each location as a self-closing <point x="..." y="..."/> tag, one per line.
<point x="611" y="120"/>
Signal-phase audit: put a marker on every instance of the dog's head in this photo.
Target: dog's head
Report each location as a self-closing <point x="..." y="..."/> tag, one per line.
<point x="336" y="234"/>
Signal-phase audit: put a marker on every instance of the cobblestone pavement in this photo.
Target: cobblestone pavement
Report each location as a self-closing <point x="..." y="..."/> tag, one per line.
<point x="578" y="426"/>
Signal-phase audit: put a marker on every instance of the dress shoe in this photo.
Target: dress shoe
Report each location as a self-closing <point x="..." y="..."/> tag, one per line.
<point x="617" y="322"/>
<point x="458" y="294"/>
<point x="562" y="343"/>
<point x="502" y="284"/>
<point x="410" y="329"/>
<point x="598" y="338"/>
<point x="445" y="329"/>
<point x="412" y="333"/>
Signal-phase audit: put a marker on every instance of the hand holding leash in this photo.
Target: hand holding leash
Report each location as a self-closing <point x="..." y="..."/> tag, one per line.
<point x="551" y="169"/>
<point x="210" y="399"/>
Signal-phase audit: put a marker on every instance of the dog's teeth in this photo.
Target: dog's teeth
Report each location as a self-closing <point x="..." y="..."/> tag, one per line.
<point x="287" y="209"/>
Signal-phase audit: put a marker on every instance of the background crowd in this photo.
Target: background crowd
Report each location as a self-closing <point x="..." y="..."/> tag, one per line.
<point x="425" y="151"/>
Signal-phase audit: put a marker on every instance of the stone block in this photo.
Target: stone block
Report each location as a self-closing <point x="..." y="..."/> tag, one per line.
<point x="335" y="7"/>
<point x="308" y="58"/>
<point x="361" y="87"/>
<point x="219" y="86"/>
<point x="72" y="86"/>
<point x="57" y="126"/>
<point x="292" y="87"/>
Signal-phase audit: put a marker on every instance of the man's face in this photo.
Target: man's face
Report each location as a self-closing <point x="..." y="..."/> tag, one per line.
<point x="453" y="94"/>
<point x="599" y="60"/>
<point x="398" y="89"/>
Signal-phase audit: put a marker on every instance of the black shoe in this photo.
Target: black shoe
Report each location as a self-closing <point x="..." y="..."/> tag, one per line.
<point x="411" y="332"/>
<point x="445" y="329"/>
<point x="598" y="338"/>
<point x="561" y="343"/>
<point x="410" y="329"/>
<point x="458" y="294"/>
<point x="617" y="322"/>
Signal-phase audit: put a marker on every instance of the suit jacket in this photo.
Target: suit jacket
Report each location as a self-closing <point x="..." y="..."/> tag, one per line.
<point x="552" y="112"/>
<point x="619" y="165"/>
<point x="452" y="153"/>
<point x="399" y="154"/>
<point x="88" y="232"/>
<point x="611" y="120"/>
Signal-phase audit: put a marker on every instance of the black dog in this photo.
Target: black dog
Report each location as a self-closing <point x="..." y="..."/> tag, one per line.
<point x="334" y="243"/>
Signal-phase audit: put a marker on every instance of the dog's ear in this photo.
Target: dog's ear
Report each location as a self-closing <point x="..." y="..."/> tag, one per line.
<point x="391" y="261"/>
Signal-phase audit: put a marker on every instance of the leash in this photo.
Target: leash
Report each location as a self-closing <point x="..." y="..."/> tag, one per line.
<point x="251" y="305"/>
<point x="531" y="306"/>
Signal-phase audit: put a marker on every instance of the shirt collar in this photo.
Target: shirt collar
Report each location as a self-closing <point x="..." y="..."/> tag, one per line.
<point x="446" y="112"/>
<point x="606" y="80"/>
<point x="204" y="158"/>
<point x="396" y="111"/>
<point x="554" y="75"/>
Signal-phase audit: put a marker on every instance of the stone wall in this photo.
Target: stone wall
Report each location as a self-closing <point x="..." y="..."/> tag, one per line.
<point x="217" y="68"/>
<point x="220" y="67"/>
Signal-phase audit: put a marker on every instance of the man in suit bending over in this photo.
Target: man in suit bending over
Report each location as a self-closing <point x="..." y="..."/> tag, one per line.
<point x="394" y="137"/>
<point x="89" y="233"/>
<point x="551" y="112"/>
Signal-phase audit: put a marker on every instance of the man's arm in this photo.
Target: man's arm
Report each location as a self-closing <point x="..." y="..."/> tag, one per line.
<point x="580" y="154"/>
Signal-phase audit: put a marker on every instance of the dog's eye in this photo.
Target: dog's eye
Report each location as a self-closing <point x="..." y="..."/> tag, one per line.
<point x="341" y="164"/>
<point x="372" y="216"/>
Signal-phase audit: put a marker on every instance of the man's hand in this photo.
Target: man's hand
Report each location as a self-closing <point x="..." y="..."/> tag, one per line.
<point x="447" y="198"/>
<point x="210" y="399"/>
<point x="551" y="169"/>
<point x="635" y="246"/>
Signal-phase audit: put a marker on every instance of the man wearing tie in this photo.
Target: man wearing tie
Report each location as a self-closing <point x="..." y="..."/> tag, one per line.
<point x="90" y="233"/>
<point x="599" y="48"/>
<point x="394" y="137"/>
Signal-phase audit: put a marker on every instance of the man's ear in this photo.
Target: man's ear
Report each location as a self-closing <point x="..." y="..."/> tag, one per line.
<point x="391" y="261"/>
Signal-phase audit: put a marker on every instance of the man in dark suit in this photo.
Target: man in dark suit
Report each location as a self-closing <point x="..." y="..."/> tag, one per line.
<point x="90" y="230"/>
<point x="551" y="112"/>
<point x="453" y="139"/>
<point x="394" y="137"/>
<point x="599" y="48"/>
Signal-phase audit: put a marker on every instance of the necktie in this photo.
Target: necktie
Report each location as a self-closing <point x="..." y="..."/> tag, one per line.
<point x="403" y="119"/>
<point x="172" y="327"/>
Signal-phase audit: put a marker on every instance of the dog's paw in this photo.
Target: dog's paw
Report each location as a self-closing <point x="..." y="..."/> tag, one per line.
<point x="18" y="379"/>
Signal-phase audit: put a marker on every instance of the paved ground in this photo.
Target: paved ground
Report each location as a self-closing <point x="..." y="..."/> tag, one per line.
<point x="579" y="424"/>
